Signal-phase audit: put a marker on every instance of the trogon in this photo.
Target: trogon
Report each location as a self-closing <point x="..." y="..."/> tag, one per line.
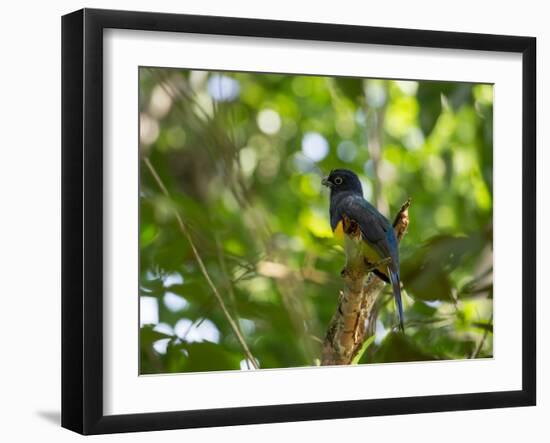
<point x="357" y="221"/>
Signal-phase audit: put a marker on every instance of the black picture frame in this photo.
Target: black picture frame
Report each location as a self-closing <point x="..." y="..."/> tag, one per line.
<point x="82" y="220"/>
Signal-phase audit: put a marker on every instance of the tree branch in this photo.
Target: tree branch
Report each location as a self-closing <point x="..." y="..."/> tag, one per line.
<point x="347" y="330"/>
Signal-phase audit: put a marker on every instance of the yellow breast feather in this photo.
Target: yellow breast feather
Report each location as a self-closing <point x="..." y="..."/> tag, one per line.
<point x="366" y="249"/>
<point x="339" y="231"/>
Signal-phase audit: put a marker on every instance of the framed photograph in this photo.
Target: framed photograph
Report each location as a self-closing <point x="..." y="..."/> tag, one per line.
<point x="269" y="221"/>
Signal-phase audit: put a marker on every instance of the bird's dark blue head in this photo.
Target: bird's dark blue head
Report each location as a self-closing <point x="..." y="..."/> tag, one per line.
<point x="343" y="180"/>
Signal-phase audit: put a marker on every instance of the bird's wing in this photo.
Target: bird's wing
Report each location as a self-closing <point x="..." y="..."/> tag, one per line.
<point x="373" y="225"/>
<point x="378" y="234"/>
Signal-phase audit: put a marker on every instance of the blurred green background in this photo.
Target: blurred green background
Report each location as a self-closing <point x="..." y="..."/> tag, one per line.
<point x="242" y="155"/>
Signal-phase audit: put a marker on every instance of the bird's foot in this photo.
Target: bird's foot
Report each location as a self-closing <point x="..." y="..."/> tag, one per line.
<point x="373" y="266"/>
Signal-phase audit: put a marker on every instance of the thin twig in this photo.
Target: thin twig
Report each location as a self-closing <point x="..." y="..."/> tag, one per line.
<point x="204" y="311"/>
<point x="482" y="341"/>
<point x="185" y="232"/>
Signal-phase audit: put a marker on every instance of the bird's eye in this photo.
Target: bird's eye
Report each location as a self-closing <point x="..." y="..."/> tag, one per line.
<point x="338" y="181"/>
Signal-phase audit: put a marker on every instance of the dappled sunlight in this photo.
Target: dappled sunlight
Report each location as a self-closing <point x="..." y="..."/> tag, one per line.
<point x="148" y="311"/>
<point x="239" y="267"/>
<point x="190" y="331"/>
<point x="148" y="129"/>
<point x="175" y="302"/>
<point x="347" y="151"/>
<point x="269" y="121"/>
<point x="223" y="88"/>
<point x="315" y="146"/>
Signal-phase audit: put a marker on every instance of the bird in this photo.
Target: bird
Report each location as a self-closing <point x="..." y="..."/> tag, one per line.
<point x="357" y="221"/>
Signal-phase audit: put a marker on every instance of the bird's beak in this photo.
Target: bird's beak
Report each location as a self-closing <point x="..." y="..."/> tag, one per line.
<point x="325" y="182"/>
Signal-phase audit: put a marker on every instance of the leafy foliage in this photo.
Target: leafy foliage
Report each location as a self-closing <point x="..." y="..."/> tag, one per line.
<point x="241" y="156"/>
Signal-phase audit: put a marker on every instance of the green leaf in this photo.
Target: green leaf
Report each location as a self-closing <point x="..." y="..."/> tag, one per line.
<point x="398" y="347"/>
<point x="208" y="356"/>
<point x="485" y="326"/>
<point x="363" y="349"/>
<point x="350" y="87"/>
<point x="149" y="335"/>
<point x="427" y="274"/>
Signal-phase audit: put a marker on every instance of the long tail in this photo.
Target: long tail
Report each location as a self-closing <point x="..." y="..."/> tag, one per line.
<point x="396" y="286"/>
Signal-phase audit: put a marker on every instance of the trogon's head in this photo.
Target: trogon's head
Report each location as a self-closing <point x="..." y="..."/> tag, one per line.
<point x="343" y="180"/>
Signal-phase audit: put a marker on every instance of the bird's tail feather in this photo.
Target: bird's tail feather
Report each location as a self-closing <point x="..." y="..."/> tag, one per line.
<point x="396" y="286"/>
